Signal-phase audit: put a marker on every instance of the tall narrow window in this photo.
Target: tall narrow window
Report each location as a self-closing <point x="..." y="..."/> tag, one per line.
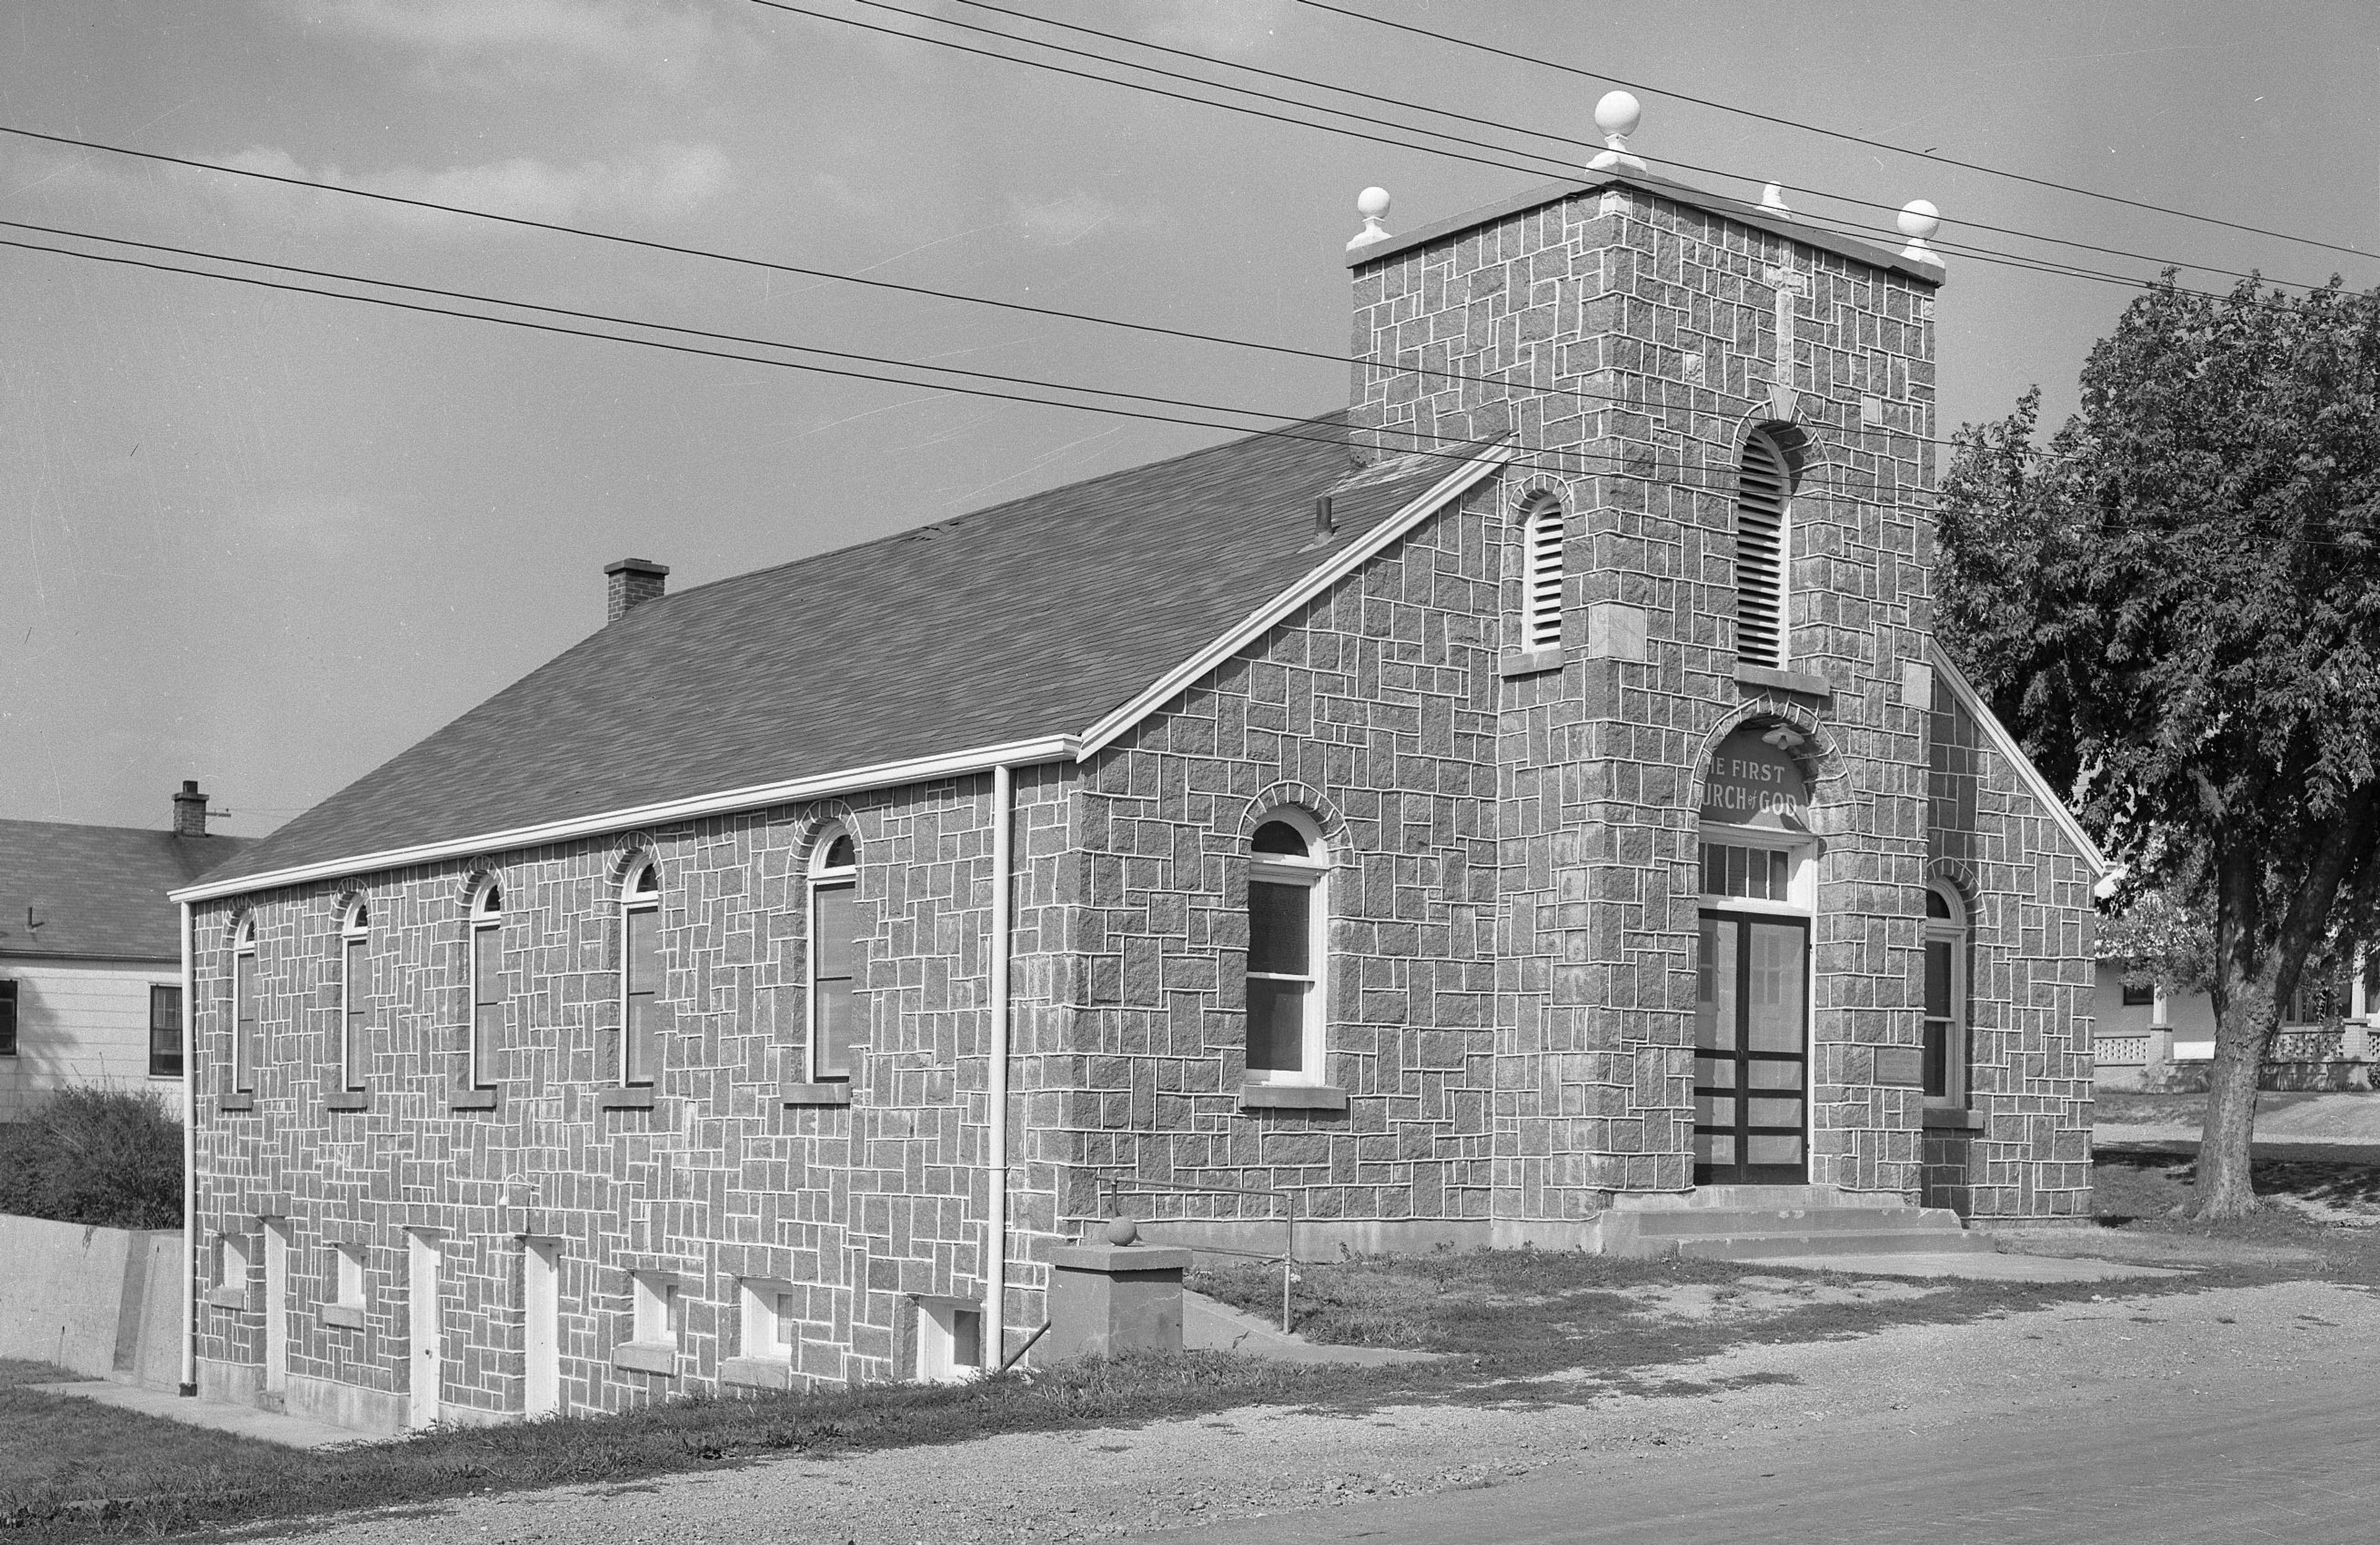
<point x="640" y="975"/>
<point x="1541" y="600"/>
<point x="355" y="996"/>
<point x="1762" y="551"/>
<point x="834" y="887"/>
<point x="487" y="983"/>
<point x="164" y="1033"/>
<point x="1946" y="1000"/>
<point x="1288" y="917"/>
<point x="246" y="1048"/>
<point x="8" y="1018"/>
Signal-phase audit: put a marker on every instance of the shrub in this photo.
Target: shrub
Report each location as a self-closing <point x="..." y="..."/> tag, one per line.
<point x="108" y="1157"/>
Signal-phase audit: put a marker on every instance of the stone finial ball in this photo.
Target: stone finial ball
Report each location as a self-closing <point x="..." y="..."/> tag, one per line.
<point x="1619" y="113"/>
<point x="1372" y="203"/>
<point x="1123" y="1231"/>
<point x="1919" y="219"/>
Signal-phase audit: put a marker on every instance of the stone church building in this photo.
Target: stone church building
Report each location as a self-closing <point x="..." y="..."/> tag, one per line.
<point x="1527" y="799"/>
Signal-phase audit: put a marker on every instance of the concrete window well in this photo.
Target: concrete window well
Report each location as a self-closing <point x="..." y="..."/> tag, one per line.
<point x="1462" y="819"/>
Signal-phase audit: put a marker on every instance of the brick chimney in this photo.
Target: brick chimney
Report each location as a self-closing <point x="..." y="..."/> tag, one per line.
<point x="190" y="811"/>
<point x="634" y="582"/>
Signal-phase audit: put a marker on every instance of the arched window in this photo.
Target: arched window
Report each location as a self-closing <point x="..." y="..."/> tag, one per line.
<point x="1289" y="912"/>
<point x="1946" y="998"/>
<point x="640" y="973"/>
<point x="487" y="936"/>
<point x="1762" y="551"/>
<point x="1541" y="587"/>
<point x="355" y="993"/>
<point x="246" y="1046"/>
<point x="835" y="890"/>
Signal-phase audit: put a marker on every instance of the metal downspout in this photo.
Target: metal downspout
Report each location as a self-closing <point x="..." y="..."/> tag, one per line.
<point x="995" y="1291"/>
<point x="189" y="1160"/>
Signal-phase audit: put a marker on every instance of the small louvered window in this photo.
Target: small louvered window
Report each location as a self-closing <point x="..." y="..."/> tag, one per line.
<point x="1542" y="582"/>
<point x="1761" y="552"/>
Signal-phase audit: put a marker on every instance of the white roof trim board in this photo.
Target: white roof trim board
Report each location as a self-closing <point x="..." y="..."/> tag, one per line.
<point x="2027" y="774"/>
<point x="948" y="764"/>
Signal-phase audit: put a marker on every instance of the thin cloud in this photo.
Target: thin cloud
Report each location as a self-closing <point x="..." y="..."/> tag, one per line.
<point x="657" y="183"/>
<point x="489" y="42"/>
<point x="1064" y="221"/>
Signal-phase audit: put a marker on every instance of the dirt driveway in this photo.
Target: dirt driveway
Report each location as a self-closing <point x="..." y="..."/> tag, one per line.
<point x="2163" y="1348"/>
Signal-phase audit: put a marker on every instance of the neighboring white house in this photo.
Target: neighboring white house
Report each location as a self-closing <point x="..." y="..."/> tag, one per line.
<point x="91" y="956"/>
<point x="2140" y="1035"/>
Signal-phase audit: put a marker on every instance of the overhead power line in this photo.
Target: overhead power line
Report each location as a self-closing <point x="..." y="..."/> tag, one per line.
<point x="1569" y="141"/>
<point x="1552" y="168"/>
<point x="974" y="383"/>
<point x="1834" y="133"/>
<point x="802" y="270"/>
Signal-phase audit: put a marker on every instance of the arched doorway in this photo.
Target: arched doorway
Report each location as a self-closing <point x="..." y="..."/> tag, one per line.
<point x="1751" y="1009"/>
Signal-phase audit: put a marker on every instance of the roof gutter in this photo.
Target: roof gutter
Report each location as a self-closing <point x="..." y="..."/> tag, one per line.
<point x="189" y="1380"/>
<point x="889" y="774"/>
<point x="994" y="1345"/>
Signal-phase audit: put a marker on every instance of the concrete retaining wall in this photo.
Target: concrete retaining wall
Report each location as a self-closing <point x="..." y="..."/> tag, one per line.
<point x="102" y="1302"/>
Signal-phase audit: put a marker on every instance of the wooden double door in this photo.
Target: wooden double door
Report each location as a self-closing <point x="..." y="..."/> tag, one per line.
<point x="1752" y="1061"/>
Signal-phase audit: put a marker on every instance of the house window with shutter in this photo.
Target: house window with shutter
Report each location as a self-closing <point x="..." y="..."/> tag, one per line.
<point x="164" y="1033"/>
<point x="1763" y="552"/>
<point x="640" y="974"/>
<point x="1541" y="589"/>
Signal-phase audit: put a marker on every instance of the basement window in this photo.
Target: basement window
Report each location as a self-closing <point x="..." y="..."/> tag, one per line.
<point x="950" y="1340"/>
<point x="349" y="1268"/>
<point x="771" y="1322"/>
<point x="655" y="1309"/>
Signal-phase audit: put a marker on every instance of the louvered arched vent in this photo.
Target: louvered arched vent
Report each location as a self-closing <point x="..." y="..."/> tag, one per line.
<point x="1541" y="599"/>
<point x="1761" y="553"/>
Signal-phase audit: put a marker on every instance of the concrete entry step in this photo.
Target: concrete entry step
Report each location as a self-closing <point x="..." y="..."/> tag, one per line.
<point x="1749" y="1223"/>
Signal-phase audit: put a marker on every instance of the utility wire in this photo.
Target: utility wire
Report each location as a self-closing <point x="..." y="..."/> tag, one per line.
<point x="1834" y="133"/>
<point x="1579" y="462"/>
<point x="1151" y="329"/>
<point x="1903" y="497"/>
<point x="1564" y="140"/>
<point x="798" y="270"/>
<point x="1561" y="171"/>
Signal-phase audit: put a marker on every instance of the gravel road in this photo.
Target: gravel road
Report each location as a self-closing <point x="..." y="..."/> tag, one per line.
<point x="2162" y="1348"/>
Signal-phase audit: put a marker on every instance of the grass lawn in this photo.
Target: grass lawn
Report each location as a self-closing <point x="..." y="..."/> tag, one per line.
<point x="2124" y="1107"/>
<point x="73" y="1470"/>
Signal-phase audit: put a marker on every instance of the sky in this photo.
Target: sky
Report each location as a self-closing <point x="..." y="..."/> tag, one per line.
<point x="269" y="539"/>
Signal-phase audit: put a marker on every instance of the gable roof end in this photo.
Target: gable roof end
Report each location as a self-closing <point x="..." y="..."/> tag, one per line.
<point x="2027" y="774"/>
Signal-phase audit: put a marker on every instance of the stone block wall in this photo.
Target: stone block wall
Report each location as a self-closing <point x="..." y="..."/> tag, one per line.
<point x="865" y="1207"/>
<point x="2031" y="983"/>
<point x="1373" y="710"/>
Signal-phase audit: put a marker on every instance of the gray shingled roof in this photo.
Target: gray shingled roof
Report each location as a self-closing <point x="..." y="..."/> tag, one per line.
<point x="99" y="892"/>
<point x="1028" y="619"/>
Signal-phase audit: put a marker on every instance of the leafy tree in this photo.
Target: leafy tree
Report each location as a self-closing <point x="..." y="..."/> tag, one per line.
<point x="2175" y="604"/>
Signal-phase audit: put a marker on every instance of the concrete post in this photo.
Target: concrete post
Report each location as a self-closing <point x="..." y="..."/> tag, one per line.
<point x="1122" y="1297"/>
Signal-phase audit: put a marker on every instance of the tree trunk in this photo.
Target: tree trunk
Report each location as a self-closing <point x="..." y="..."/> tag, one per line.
<point x="2225" y="1189"/>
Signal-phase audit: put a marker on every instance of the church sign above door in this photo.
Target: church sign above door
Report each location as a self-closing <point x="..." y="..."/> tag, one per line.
<point x="1754" y="782"/>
